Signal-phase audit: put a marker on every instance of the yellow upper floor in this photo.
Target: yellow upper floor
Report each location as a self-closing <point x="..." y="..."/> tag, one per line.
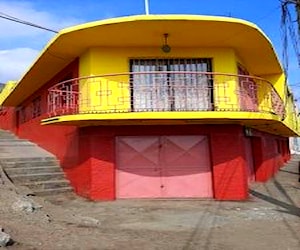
<point x="108" y="85"/>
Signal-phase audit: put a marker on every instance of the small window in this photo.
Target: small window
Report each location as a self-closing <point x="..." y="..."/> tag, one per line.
<point x="22" y="115"/>
<point x="36" y="107"/>
<point x="278" y="142"/>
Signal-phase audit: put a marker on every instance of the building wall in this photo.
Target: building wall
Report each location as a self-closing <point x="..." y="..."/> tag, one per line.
<point x="291" y="118"/>
<point x="99" y="61"/>
<point x="7" y="114"/>
<point x="62" y="141"/>
<point x="292" y="114"/>
<point x="270" y="153"/>
<point x="227" y="149"/>
<point x="6" y="90"/>
<point x="87" y="154"/>
<point x="8" y="119"/>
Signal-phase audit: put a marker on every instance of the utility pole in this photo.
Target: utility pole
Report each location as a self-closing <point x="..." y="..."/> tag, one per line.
<point x="147" y="7"/>
<point x="296" y="3"/>
<point x="290" y="24"/>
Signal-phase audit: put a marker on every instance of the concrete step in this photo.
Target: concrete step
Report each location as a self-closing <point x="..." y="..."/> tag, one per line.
<point x="30" y="162"/>
<point x="53" y="191"/>
<point x="49" y="184"/>
<point x="295" y="158"/>
<point x="292" y="164"/>
<point x="24" y="178"/>
<point x="27" y="164"/>
<point x="14" y="142"/>
<point x="24" y="153"/>
<point x="6" y="134"/>
<point x="30" y="169"/>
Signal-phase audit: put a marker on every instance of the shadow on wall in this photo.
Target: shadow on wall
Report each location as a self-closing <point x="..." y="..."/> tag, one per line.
<point x="226" y="163"/>
<point x="76" y="164"/>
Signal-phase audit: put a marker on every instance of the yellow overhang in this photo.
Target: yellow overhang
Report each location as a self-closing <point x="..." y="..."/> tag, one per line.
<point x="261" y="121"/>
<point x="249" y="42"/>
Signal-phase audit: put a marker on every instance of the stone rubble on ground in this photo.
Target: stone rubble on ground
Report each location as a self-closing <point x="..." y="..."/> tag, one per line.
<point x="25" y="204"/>
<point x="4" y="238"/>
<point x="85" y="220"/>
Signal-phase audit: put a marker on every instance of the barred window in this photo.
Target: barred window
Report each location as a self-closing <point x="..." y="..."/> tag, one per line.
<point x="36" y="107"/>
<point x="22" y="115"/>
<point x="172" y="89"/>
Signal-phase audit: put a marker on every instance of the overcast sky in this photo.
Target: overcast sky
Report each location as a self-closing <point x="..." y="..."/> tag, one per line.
<point x="20" y="44"/>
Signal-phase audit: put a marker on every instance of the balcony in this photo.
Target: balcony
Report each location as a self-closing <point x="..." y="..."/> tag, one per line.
<point x="164" y="92"/>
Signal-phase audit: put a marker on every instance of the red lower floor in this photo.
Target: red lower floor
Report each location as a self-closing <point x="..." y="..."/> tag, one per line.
<point x="161" y="161"/>
<point x="217" y="161"/>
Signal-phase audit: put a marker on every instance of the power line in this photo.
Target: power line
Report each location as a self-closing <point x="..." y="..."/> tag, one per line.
<point x="17" y="20"/>
<point x="289" y="33"/>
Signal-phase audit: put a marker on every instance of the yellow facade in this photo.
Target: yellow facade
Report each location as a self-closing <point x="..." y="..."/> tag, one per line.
<point x="8" y="88"/>
<point x="105" y="61"/>
<point x="104" y="49"/>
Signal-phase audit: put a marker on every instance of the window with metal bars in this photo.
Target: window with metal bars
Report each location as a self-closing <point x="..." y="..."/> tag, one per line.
<point x="36" y="107"/>
<point x="22" y="114"/>
<point x="171" y="84"/>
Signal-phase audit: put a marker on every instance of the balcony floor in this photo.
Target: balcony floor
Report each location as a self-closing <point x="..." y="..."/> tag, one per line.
<point x="260" y="121"/>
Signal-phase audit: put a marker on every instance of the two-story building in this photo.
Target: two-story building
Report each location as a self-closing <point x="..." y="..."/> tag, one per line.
<point x="157" y="106"/>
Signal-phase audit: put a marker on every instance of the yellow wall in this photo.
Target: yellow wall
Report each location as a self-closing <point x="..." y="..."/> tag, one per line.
<point x="291" y="117"/>
<point x="114" y="60"/>
<point x="278" y="81"/>
<point x="107" y="60"/>
<point x="9" y="86"/>
<point x="99" y="61"/>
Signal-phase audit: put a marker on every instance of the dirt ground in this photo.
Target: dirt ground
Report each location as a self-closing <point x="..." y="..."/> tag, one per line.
<point x="270" y="219"/>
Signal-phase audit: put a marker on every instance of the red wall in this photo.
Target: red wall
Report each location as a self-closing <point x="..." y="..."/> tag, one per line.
<point x="227" y="150"/>
<point x="229" y="163"/>
<point x="8" y="119"/>
<point x="62" y="141"/>
<point x="87" y="154"/>
<point x="228" y="156"/>
<point x="270" y="152"/>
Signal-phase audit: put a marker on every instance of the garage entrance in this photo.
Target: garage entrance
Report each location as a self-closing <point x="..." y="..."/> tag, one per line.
<point x="163" y="167"/>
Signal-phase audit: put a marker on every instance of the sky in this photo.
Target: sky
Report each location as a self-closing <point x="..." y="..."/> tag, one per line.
<point x="21" y="44"/>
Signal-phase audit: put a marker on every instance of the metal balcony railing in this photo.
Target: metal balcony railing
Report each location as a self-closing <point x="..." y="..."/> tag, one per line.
<point x="164" y="91"/>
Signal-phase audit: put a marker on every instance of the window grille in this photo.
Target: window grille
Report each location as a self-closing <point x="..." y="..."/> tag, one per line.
<point x="168" y="89"/>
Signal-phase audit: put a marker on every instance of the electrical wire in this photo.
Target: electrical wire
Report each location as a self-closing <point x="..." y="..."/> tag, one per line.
<point x="17" y="20"/>
<point x="288" y="29"/>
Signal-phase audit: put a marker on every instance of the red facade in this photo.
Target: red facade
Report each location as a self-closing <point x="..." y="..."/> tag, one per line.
<point x="89" y="155"/>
